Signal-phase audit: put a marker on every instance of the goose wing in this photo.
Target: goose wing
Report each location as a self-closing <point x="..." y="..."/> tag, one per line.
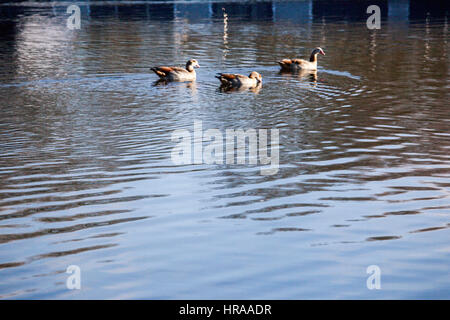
<point x="231" y="79"/>
<point x="227" y="76"/>
<point x="285" y="62"/>
<point x="164" y="71"/>
<point x="300" y="62"/>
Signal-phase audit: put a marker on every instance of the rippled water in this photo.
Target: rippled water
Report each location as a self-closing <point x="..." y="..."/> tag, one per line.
<point x="86" y="176"/>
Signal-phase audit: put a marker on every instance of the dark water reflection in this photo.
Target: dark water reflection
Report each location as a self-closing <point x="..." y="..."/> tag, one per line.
<point x="86" y="176"/>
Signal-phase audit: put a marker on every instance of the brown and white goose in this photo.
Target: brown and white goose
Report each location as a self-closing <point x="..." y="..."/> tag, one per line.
<point x="238" y="80"/>
<point x="300" y="64"/>
<point x="177" y="73"/>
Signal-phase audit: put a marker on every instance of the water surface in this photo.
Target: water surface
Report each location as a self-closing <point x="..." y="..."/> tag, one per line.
<point x="86" y="176"/>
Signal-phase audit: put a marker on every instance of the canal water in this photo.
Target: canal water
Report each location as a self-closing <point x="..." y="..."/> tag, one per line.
<point x="87" y="177"/>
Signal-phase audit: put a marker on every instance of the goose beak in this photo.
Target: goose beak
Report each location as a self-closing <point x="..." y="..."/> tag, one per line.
<point x="322" y="53"/>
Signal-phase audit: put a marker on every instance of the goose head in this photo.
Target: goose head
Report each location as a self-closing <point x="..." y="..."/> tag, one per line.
<point x="314" y="54"/>
<point x="318" y="50"/>
<point x="191" y="64"/>
<point x="255" y="75"/>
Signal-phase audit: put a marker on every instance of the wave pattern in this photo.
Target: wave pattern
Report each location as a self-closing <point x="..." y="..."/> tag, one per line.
<point x="86" y="176"/>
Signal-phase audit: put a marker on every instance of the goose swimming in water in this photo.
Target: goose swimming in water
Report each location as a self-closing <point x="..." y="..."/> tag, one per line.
<point x="177" y="73"/>
<point x="239" y="80"/>
<point x="300" y="64"/>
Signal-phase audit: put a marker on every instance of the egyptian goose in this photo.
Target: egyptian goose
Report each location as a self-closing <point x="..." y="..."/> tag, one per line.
<point x="300" y="64"/>
<point x="238" y="80"/>
<point x="177" y="73"/>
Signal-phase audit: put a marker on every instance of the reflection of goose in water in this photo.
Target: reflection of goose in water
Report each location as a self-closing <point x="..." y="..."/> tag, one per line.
<point x="300" y="64"/>
<point x="177" y="73"/>
<point x="309" y="75"/>
<point x="192" y="85"/>
<point x="225" y="34"/>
